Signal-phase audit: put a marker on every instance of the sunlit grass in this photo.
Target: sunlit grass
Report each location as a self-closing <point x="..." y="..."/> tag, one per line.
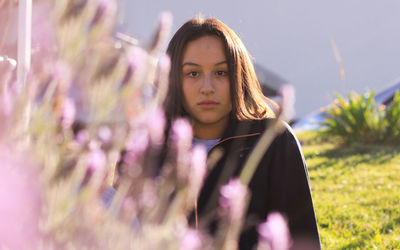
<point x="356" y="192"/>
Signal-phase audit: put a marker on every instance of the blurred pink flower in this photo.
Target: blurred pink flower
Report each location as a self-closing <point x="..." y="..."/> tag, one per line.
<point x="96" y="163"/>
<point x="136" y="145"/>
<point x="162" y="77"/>
<point x="7" y="69"/>
<point x="62" y="74"/>
<point x="96" y="160"/>
<point x="156" y="124"/>
<point x="136" y="58"/>
<point x="68" y="113"/>
<point x="182" y="133"/>
<point x="274" y="232"/>
<point x="148" y="196"/>
<point x="20" y="201"/>
<point x="182" y="138"/>
<point x="104" y="133"/>
<point x="162" y="33"/>
<point x="233" y="198"/>
<point x="163" y="68"/>
<point x="164" y="63"/>
<point x="198" y="168"/>
<point x="191" y="240"/>
<point x="82" y="136"/>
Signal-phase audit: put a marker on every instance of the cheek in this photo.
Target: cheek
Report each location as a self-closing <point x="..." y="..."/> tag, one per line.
<point x="226" y="92"/>
<point x="185" y="91"/>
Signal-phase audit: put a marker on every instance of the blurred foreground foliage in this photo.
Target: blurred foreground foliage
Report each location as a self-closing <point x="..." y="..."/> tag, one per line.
<point x="92" y="101"/>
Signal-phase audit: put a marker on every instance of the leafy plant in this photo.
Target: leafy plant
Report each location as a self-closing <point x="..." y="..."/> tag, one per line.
<point x="392" y="119"/>
<point x="358" y="119"/>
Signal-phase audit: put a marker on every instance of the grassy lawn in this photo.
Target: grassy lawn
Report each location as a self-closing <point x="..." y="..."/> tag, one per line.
<point x="356" y="192"/>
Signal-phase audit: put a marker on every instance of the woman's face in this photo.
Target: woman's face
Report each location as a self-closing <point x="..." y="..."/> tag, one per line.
<point x="206" y="87"/>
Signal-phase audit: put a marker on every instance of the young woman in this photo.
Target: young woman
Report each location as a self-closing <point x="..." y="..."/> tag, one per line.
<point x="213" y="83"/>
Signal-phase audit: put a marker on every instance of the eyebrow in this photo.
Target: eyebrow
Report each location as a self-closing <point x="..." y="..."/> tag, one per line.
<point x="195" y="64"/>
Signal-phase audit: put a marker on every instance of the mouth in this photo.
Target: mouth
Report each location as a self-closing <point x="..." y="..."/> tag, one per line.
<point x="208" y="104"/>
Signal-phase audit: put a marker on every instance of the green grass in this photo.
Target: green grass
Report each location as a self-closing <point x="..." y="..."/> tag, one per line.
<point x="356" y="193"/>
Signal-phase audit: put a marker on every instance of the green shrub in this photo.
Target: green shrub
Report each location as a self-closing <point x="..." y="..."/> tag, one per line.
<point x="358" y="119"/>
<point x="392" y="119"/>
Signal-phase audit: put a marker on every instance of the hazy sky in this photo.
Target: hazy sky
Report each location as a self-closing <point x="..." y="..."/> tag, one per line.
<point x="294" y="39"/>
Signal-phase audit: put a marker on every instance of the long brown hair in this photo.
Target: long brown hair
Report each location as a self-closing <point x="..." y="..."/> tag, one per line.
<point x="248" y="101"/>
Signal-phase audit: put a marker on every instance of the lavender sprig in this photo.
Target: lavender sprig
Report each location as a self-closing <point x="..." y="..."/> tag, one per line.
<point x="274" y="233"/>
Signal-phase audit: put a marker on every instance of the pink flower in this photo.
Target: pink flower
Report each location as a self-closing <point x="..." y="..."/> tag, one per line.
<point x="198" y="168"/>
<point x="96" y="160"/>
<point x="136" y="145"/>
<point x="182" y="133"/>
<point x="164" y="63"/>
<point x="104" y="133"/>
<point x="136" y="58"/>
<point x="156" y="124"/>
<point x="62" y="74"/>
<point x="148" y="196"/>
<point x="191" y="240"/>
<point x="162" y="34"/>
<point x="68" y="113"/>
<point x="162" y="77"/>
<point x="233" y="198"/>
<point x="7" y="68"/>
<point x="274" y="232"/>
<point x="96" y="163"/>
<point x="182" y="138"/>
<point x="163" y="68"/>
<point x="82" y="136"/>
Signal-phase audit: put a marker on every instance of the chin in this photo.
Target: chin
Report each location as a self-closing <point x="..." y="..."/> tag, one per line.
<point x="210" y="120"/>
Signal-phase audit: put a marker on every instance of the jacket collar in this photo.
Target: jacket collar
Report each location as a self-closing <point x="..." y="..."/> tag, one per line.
<point x="246" y="127"/>
<point x="241" y="129"/>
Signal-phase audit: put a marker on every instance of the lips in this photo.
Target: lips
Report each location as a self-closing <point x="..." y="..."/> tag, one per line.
<point x="208" y="104"/>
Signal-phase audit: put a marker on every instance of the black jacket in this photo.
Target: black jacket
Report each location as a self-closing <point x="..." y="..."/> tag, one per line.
<point x="280" y="183"/>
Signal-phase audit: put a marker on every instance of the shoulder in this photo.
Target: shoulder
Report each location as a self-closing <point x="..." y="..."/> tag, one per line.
<point x="248" y="127"/>
<point x="284" y="140"/>
<point x="288" y="134"/>
<point x="283" y="129"/>
<point x="253" y="130"/>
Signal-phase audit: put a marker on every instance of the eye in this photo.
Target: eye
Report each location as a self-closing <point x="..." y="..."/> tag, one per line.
<point x="222" y="73"/>
<point x="192" y="74"/>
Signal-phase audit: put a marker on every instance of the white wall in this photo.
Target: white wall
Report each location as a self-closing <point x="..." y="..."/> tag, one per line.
<point x="293" y="39"/>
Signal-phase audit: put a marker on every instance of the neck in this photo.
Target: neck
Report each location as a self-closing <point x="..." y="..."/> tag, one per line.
<point x="209" y="131"/>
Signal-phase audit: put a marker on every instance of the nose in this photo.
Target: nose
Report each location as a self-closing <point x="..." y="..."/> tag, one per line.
<point x="207" y="85"/>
